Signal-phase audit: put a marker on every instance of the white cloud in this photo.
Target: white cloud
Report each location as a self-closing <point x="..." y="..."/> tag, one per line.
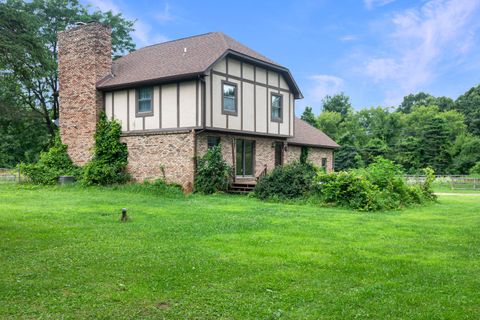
<point x="421" y="43"/>
<point x="165" y="15"/>
<point x="349" y="37"/>
<point x="105" y="5"/>
<point x="370" y="4"/>
<point x="143" y="35"/>
<point x="324" y="85"/>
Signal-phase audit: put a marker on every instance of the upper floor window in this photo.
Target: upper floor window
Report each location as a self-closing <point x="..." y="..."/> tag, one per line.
<point x="229" y="98"/>
<point x="144" y="102"/>
<point x="277" y="107"/>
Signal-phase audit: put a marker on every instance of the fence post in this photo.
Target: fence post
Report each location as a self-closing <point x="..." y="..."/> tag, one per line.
<point x="19" y="174"/>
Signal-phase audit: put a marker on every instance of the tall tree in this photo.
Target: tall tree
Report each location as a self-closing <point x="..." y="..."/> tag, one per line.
<point x="309" y="117"/>
<point x="22" y="131"/>
<point x="28" y="47"/>
<point x="425" y="99"/>
<point x="337" y="103"/>
<point x="469" y="105"/>
<point x="330" y="123"/>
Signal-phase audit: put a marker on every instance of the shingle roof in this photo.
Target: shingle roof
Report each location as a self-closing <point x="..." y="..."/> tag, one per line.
<point x="179" y="58"/>
<point x="307" y="135"/>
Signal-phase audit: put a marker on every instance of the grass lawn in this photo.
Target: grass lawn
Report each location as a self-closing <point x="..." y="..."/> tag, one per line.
<point x="64" y="254"/>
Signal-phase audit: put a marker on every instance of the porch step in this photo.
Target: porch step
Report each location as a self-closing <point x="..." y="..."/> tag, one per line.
<point x="241" y="187"/>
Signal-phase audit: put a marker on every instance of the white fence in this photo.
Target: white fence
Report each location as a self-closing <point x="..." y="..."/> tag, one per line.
<point x="458" y="182"/>
<point x="10" y="175"/>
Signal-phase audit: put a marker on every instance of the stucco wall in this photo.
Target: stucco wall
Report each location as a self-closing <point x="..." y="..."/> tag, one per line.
<point x="254" y="88"/>
<point x="175" y="105"/>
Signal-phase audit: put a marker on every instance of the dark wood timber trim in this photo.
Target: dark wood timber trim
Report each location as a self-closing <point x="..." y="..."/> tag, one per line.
<point x="218" y="73"/>
<point x="160" y="106"/>
<point x="158" y="131"/>
<point x="249" y="133"/>
<point x="113" y="104"/>
<point x="241" y="94"/>
<point x="254" y="99"/>
<point x="196" y="102"/>
<point x="211" y="98"/>
<point x="178" y="104"/>
<point x="204" y="102"/>
<point x="266" y="75"/>
<point x="128" y="110"/>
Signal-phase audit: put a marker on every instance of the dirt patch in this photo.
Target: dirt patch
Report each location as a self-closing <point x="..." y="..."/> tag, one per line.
<point x="162" y="305"/>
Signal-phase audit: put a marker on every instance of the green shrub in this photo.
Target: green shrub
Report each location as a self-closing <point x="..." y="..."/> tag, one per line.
<point x="426" y="187"/>
<point x="287" y="182"/>
<point x="110" y="158"/>
<point x="380" y="186"/>
<point x="475" y="169"/>
<point x="53" y="163"/>
<point x="213" y="173"/>
<point x="348" y="189"/>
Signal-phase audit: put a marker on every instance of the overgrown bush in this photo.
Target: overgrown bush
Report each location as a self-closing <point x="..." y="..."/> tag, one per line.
<point x="110" y="158"/>
<point x="53" y="163"/>
<point x="427" y="185"/>
<point x="475" y="169"/>
<point x="213" y="173"/>
<point x="348" y="189"/>
<point x="380" y="186"/>
<point x="287" y="182"/>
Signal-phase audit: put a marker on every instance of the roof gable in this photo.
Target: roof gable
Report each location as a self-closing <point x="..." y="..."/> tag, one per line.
<point x="182" y="58"/>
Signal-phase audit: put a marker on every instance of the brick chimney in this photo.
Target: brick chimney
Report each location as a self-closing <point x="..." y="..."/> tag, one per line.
<point x="84" y="57"/>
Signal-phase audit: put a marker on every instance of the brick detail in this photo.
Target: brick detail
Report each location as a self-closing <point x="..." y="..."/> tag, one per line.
<point x="264" y="152"/>
<point x="315" y="156"/>
<point x="84" y="57"/>
<point x="174" y="152"/>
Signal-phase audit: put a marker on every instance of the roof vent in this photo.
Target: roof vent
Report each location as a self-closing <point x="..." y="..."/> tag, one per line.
<point x="80" y="23"/>
<point x="184" y="50"/>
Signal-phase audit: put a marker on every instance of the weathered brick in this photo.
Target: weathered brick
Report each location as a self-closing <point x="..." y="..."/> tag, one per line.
<point x="84" y="57"/>
<point x="168" y="156"/>
<point x="315" y="155"/>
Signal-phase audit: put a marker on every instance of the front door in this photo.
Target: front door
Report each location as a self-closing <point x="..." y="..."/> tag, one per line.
<point x="278" y="153"/>
<point x="245" y="158"/>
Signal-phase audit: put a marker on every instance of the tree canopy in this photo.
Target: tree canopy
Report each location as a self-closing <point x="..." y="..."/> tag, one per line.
<point x="28" y="47"/>
<point x="424" y="131"/>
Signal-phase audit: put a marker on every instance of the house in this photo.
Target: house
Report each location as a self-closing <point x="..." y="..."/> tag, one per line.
<point x="176" y="99"/>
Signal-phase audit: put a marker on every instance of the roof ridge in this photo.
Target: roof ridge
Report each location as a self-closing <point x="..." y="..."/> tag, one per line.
<point x="169" y="41"/>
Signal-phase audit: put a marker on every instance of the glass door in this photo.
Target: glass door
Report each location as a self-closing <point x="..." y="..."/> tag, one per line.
<point x="244" y="165"/>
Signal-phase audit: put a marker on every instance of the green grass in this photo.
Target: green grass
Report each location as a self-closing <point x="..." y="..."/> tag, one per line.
<point x="64" y="254"/>
<point x="448" y="189"/>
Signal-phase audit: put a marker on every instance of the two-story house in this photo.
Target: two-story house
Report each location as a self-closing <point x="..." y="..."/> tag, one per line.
<point x="176" y="99"/>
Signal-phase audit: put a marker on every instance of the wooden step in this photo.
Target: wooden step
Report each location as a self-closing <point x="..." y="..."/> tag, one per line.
<point x="241" y="187"/>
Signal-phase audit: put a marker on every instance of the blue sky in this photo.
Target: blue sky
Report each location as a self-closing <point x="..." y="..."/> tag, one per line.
<point x="376" y="51"/>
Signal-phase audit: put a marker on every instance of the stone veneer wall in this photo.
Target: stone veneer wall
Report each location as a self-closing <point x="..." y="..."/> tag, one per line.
<point x="315" y="156"/>
<point x="264" y="153"/>
<point x="84" y="57"/>
<point x="172" y="151"/>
